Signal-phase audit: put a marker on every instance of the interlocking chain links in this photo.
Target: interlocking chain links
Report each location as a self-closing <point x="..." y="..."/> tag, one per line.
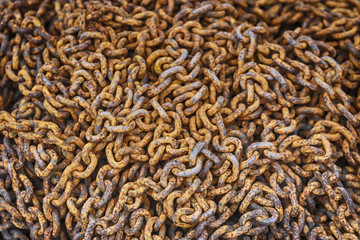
<point x="179" y="119"/>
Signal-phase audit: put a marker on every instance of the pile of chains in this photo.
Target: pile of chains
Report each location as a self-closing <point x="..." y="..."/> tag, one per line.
<point x="180" y="119"/>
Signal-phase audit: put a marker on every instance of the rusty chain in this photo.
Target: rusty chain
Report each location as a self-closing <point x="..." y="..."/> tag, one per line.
<point x="180" y="119"/>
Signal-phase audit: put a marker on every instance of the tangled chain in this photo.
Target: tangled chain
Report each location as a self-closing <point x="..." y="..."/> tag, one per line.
<point x="180" y="119"/>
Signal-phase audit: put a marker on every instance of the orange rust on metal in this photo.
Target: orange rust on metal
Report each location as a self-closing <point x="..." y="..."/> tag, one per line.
<point x="179" y="119"/>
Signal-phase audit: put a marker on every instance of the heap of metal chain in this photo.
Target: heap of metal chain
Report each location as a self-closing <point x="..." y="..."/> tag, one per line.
<point x="180" y="119"/>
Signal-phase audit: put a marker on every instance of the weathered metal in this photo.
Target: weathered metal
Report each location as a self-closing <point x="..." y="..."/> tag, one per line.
<point x="180" y="119"/>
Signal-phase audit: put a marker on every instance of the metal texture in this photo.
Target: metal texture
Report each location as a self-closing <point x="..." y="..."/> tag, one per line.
<point x="179" y="119"/>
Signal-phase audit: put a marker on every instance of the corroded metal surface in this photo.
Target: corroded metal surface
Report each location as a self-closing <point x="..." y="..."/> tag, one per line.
<point x="180" y="119"/>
